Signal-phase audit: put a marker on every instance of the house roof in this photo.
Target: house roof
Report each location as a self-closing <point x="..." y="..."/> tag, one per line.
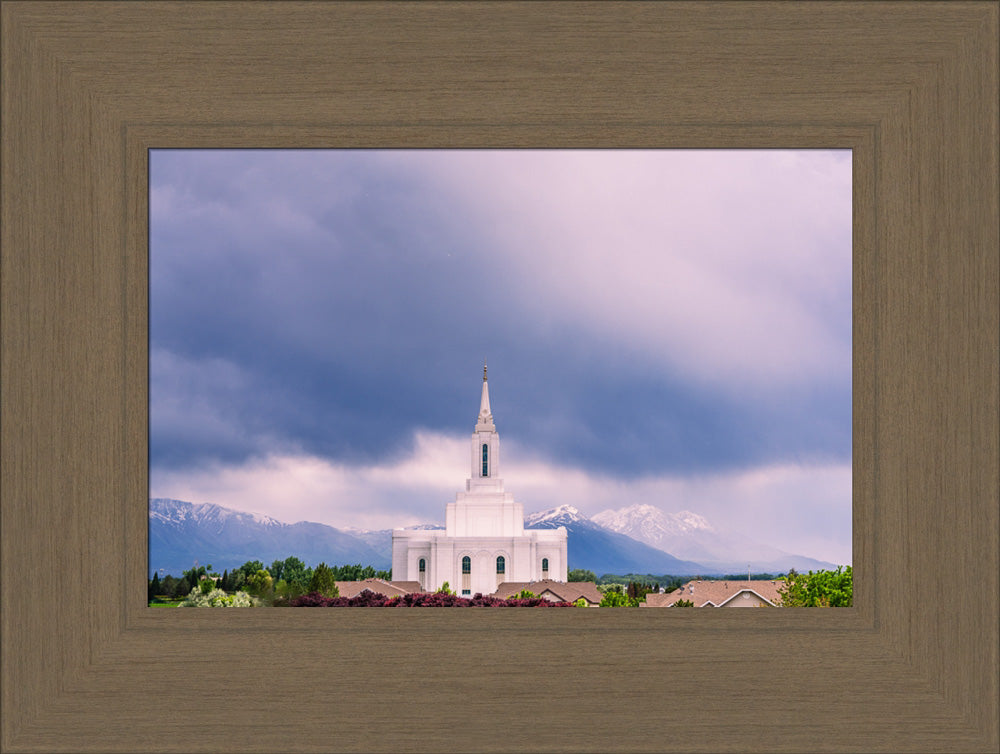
<point x="705" y="593"/>
<point x="563" y="591"/>
<point x="378" y="586"/>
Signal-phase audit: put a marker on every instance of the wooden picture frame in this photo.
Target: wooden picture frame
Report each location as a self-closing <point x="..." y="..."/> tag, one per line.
<point x="88" y="88"/>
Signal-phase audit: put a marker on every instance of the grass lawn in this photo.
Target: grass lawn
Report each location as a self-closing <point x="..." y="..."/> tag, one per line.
<point x="166" y="603"/>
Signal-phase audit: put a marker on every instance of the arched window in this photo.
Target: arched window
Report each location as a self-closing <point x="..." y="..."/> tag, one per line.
<point x="501" y="564"/>
<point x="422" y="565"/>
<point x="486" y="454"/>
<point x="545" y="565"/>
<point x="466" y="564"/>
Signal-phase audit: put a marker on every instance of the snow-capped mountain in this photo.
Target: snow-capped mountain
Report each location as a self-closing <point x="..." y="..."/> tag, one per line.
<point x="172" y="512"/>
<point x="182" y="532"/>
<point x="684" y="534"/>
<point x="688" y="535"/>
<point x="561" y="516"/>
<point x="601" y="550"/>
<point x="589" y="546"/>
<point x="653" y="524"/>
<point x="636" y="539"/>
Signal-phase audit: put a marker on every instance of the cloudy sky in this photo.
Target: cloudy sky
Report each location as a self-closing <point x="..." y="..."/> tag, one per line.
<point x="662" y="327"/>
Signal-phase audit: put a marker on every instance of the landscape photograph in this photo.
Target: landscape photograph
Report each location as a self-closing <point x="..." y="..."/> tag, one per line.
<point x="500" y="378"/>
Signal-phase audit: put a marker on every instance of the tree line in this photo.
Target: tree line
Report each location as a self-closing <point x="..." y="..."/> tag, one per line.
<point x="285" y="581"/>
<point x="288" y="578"/>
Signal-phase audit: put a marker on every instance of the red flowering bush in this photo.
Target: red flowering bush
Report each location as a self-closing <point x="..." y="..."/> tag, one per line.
<point x="419" y="599"/>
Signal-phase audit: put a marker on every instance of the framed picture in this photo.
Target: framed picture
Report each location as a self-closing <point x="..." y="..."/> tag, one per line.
<point x="89" y="89"/>
<point x="669" y="401"/>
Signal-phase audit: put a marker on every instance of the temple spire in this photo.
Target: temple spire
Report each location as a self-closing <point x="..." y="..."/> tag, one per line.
<point x="484" y="404"/>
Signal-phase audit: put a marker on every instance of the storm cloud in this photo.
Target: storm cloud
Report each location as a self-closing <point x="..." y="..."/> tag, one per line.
<point x="646" y="315"/>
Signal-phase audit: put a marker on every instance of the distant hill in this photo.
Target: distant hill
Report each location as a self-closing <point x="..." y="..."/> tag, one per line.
<point x="688" y="535"/>
<point x="637" y="539"/>
<point x="588" y="546"/>
<point x="602" y="551"/>
<point x="181" y="532"/>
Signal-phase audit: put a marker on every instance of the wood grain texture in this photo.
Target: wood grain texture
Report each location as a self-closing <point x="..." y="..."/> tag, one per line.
<point x="89" y="88"/>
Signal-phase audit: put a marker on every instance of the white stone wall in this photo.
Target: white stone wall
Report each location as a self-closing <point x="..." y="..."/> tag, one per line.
<point x="523" y="558"/>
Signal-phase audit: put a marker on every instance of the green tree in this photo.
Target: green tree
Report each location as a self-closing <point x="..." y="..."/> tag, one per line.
<point x="819" y="589"/>
<point x="581" y="574"/>
<point x="294" y="571"/>
<point x="289" y="590"/>
<point x="236" y="580"/>
<point x="614" y="598"/>
<point x="345" y="572"/>
<point x="251" y="567"/>
<point x="683" y="603"/>
<point x="355" y="572"/>
<point x="259" y="583"/>
<point x="323" y="581"/>
<point x="154" y="586"/>
<point x="194" y="575"/>
<point x="445" y="589"/>
<point x="168" y="586"/>
<point x="671" y="584"/>
<point x="638" y="592"/>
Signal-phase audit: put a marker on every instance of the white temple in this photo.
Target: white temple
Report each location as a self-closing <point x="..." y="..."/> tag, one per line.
<point x="484" y="542"/>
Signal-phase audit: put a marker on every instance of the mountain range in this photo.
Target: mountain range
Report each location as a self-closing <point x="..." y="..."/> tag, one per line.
<point x="688" y="535"/>
<point x="181" y="533"/>
<point x="636" y="539"/>
<point x="602" y="550"/>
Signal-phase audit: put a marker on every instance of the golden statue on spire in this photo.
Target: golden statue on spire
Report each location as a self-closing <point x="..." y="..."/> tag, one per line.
<point x="484" y="370"/>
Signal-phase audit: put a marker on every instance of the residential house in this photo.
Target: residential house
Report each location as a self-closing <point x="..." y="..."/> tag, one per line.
<point x="377" y="586"/>
<point x="705" y="593"/>
<point x="554" y="591"/>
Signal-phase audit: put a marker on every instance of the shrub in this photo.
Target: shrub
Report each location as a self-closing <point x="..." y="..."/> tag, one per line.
<point x="819" y="589"/>
<point x="524" y="594"/>
<point x="419" y="599"/>
<point x="217" y="598"/>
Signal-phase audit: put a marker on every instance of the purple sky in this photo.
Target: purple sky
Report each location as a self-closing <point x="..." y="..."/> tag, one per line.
<point x="662" y="327"/>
